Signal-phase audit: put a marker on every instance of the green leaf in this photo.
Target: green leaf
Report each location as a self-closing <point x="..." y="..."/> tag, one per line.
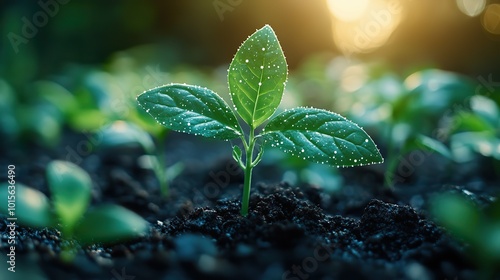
<point x="32" y="207"/>
<point x="458" y="215"/>
<point x="191" y="109"/>
<point x="426" y="143"/>
<point x="257" y="77"/>
<point x="110" y="224"/>
<point x="467" y="121"/>
<point x="124" y="134"/>
<point x="70" y="188"/>
<point x="321" y="136"/>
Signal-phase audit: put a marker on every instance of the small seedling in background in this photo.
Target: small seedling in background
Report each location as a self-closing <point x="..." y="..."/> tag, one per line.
<point x="70" y="188"/>
<point x="416" y="106"/>
<point x="257" y="77"/>
<point x="121" y="134"/>
<point x="477" y="132"/>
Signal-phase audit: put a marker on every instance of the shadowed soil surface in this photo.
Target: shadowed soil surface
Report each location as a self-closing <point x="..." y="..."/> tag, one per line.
<point x="291" y="232"/>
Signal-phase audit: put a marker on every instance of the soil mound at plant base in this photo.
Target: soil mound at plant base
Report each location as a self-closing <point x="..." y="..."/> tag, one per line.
<point x="285" y="224"/>
<point x="285" y="236"/>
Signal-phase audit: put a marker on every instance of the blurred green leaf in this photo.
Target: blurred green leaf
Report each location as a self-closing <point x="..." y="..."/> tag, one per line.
<point x="56" y="95"/>
<point x="458" y="215"/>
<point x="39" y="123"/>
<point x="124" y="134"/>
<point x="486" y="109"/>
<point x="31" y="207"/>
<point x="484" y="143"/>
<point x="432" y="145"/>
<point x="436" y="90"/>
<point x="110" y="224"/>
<point x="87" y="120"/>
<point x="70" y="188"/>
<point x="467" y="121"/>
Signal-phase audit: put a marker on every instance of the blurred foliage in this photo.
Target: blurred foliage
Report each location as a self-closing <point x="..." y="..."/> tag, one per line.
<point x="440" y="112"/>
<point x="69" y="211"/>
<point x="476" y="130"/>
<point x="423" y="110"/>
<point x="478" y="227"/>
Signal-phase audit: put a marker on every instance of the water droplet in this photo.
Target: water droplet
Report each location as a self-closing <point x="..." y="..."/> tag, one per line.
<point x="261" y="67"/>
<point x="366" y="140"/>
<point x="263" y="49"/>
<point x="246" y="60"/>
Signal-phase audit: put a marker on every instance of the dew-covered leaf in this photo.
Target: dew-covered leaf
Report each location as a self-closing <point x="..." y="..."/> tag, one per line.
<point x="257" y="77"/>
<point x="191" y="109"/>
<point x="321" y="136"/>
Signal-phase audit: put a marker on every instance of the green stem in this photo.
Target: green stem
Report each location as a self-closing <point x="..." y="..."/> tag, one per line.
<point x="248" y="173"/>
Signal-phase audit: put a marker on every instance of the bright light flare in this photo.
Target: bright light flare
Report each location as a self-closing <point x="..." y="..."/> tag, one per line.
<point x="348" y="10"/>
<point x="361" y="25"/>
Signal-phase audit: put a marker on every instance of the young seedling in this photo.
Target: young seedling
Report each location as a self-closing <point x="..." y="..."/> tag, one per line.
<point x="70" y="188"/>
<point x="121" y="134"/>
<point x="256" y="78"/>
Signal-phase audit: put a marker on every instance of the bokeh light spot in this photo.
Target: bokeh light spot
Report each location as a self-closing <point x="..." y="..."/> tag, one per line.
<point x="491" y="19"/>
<point x="471" y="8"/>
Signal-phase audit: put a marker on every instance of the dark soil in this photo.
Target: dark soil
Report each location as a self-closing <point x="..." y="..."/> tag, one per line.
<point x="362" y="231"/>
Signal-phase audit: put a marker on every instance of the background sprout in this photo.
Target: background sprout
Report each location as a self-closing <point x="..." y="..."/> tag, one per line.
<point x="70" y="188"/>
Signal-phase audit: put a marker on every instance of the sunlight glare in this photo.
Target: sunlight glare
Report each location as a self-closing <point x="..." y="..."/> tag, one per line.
<point x="361" y="26"/>
<point x="348" y="10"/>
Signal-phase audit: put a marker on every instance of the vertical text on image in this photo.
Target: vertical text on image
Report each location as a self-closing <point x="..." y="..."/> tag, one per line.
<point x="11" y="226"/>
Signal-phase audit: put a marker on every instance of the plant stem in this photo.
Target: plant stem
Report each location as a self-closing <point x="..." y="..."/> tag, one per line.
<point x="248" y="174"/>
